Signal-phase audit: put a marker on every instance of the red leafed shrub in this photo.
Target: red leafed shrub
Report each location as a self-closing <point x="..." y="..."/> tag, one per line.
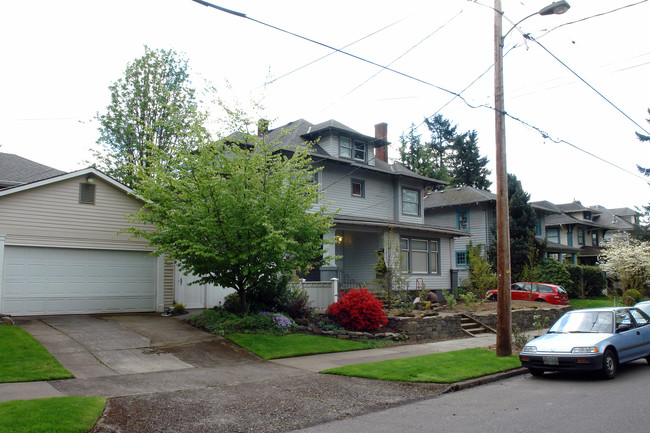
<point x="358" y="310"/>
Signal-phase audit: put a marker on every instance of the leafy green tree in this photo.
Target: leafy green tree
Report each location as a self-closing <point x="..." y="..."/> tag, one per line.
<point x="467" y="166"/>
<point x="235" y="212"/>
<point x="152" y="107"/>
<point x="481" y="277"/>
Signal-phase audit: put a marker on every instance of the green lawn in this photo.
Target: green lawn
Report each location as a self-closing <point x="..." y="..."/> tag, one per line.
<point x="23" y="359"/>
<point x="51" y="415"/>
<point x="273" y="346"/>
<point x="601" y="301"/>
<point x="446" y="367"/>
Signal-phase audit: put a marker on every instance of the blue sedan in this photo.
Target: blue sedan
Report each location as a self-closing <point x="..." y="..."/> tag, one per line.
<point x="596" y="339"/>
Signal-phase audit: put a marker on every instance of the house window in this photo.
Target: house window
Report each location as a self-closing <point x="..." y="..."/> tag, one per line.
<point x="538" y="227"/>
<point x="360" y="151"/>
<point x="86" y="193"/>
<point x="345" y="147"/>
<point x="358" y="188"/>
<point x="553" y="235"/>
<point x="420" y="256"/>
<point x="586" y="215"/>
<point x="594" y="239"/>
<point x="462" y="220"/>
<point x="569" y="237"/>
<point x="581" y="236"/>
<point x="410" y="201"/>
<point x="461" y="258"/>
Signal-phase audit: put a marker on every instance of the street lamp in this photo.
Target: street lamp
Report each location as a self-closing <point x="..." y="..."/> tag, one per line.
<point x="504" y="319"/>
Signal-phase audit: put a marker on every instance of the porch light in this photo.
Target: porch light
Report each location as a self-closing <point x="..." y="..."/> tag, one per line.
<point x="339" y="239"/>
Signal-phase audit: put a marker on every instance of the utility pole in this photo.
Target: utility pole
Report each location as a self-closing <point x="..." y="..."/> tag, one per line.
<point x="504" y="315"/>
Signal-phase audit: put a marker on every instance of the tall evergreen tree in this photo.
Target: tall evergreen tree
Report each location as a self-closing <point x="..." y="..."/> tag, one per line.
<point x="413" y="154"/>
<point x="523" y="222"/>
<point x="443" y="134"/>
<point x="153" y="106"/>
<point x="468" y="167"/>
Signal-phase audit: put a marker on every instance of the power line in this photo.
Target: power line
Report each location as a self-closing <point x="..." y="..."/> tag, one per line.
<point x="593" y="16"/>
<point x="273" y="80"/>
<point x="455" y="94"/>
<point x="529" y="37"/>
<point x="397" y="58"/>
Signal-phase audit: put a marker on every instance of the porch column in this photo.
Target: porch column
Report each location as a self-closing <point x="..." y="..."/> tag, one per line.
<point x="329" y="270"/>
<point x="574" y="258"/>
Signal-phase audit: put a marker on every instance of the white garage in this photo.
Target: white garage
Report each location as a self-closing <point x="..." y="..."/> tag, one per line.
<point x="63" y="250"/>
<point x="41" y="281"/>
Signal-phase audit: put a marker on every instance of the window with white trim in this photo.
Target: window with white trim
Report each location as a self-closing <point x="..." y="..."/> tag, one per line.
<point x="345" y="147"/>
<point x="420" y="256"/>
<point x="410" y="201"/>
<point x="360" y="151"/>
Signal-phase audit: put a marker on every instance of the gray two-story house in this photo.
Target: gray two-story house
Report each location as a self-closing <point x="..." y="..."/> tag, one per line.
<point x="380" y="207"/>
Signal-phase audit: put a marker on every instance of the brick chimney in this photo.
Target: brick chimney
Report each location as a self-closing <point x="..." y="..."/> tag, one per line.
<point x="381" y="133"/>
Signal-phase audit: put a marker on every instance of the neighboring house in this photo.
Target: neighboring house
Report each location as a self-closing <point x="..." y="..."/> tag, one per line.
<point x="618" y="222"/>
<point x="60" y="247"/>
<point x="466" y="209"/>
<point x="577" y="231"/>
<point x="16" y="170"/>
<point x="380" y="208"/>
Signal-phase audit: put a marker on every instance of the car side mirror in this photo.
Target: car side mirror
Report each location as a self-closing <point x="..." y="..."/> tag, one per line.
<point x="622" y="328"/>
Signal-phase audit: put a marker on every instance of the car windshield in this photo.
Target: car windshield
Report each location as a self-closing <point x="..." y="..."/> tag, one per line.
<point x="584" y="321"/>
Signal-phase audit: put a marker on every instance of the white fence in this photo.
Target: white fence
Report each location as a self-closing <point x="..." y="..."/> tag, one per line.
<point x="321" y="293"/>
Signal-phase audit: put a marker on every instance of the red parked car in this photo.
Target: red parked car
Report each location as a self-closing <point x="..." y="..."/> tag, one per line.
<point x="540" y="292"/>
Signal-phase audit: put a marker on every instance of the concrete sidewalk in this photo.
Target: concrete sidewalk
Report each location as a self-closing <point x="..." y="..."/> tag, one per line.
<point x="316" y="363"/>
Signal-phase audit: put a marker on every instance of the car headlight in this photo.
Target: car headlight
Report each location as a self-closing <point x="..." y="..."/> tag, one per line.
<point x="592" y="349"/>
<point x="530" y="349"/>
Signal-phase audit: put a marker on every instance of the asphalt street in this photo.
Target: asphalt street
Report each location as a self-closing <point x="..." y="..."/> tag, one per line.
<point x="553" y="403"/>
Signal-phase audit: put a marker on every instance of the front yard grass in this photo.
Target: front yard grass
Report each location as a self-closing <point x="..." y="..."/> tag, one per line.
<point x="51" y="415"/>
<point x="23" y="359"/>
<point x="448" y="367"/>
<point x="601" y="301"/>
<point x="284" y="346"/>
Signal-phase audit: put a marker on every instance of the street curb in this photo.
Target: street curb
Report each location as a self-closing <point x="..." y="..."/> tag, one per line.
<point x="471" y="383"/>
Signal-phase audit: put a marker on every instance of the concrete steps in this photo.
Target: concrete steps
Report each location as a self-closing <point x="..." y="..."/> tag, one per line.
<point x="473" y="327"/>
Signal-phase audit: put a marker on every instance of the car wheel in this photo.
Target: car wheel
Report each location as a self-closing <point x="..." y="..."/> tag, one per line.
<point x="539" y="300"/>
<point x="493" y="298"/>
<point x="536" y="372"/>
<point x="609" y="365"/>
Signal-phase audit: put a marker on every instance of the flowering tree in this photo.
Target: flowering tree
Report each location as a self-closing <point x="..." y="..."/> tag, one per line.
<point x="628" y="260"/>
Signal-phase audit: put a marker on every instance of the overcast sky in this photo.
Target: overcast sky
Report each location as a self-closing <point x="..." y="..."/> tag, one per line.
<point x="59" y="57"/>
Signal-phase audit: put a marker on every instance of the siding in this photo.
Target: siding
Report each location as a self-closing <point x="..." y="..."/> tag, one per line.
<point x="378" y="201"/>
<point x="52" y="216"/>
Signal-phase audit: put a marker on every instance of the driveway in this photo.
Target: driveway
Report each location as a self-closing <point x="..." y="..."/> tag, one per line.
<point x="162" y="375"/>
<point x="100" y="346"/>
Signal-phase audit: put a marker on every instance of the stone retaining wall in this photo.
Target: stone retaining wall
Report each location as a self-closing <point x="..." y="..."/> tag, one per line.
<point x="448" y="326"/>
<point x="445" y="327"/>
<point x="525" y="319"/>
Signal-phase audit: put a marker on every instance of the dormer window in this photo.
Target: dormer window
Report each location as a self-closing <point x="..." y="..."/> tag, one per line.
<point x="587" y="215"/>
<point x="360" y="151"/>
<point x="345" y="147"/>
<point x="352" y="150"/>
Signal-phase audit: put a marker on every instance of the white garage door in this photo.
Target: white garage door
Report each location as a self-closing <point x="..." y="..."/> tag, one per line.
<point x="63" y="281"/>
